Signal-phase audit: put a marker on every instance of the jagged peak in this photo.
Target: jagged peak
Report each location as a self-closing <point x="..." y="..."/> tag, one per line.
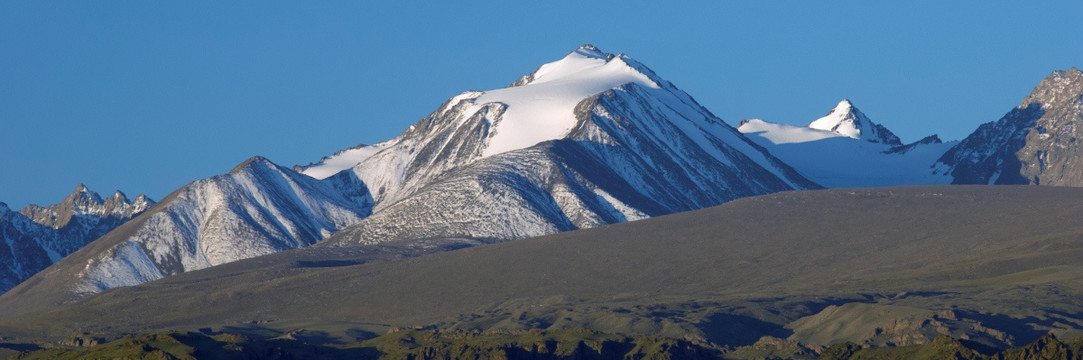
<point x="120" y="196"/>
<point x="83" y="194"/>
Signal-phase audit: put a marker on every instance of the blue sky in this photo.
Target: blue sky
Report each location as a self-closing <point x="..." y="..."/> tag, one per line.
<point x="145" y="97"/>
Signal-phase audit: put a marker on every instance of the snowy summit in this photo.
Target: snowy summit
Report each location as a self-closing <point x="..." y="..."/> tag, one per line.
<point x="846" y="120"/>
<point x="542" y="106"/>
<point x="539" y="106"/>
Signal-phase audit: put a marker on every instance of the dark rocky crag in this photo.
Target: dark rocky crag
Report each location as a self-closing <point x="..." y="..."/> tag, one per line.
<point x="1036" y="143"/>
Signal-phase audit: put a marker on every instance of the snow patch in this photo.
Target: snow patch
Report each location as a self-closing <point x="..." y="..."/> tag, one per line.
<point x="128" y="265"/>
<point x="343" y="160"/>
<point x="783" y="134"/>
<point x="543" y="109"/>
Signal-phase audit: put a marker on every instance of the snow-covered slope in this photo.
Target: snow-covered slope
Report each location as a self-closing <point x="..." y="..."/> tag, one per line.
<point x="256" y="209"/>
<point x="36" y="236"/>
<point x="833" y="158"/>
<point x="848" y="121"/>
<point x="84" y="216"/>
<point x="1035" y="143"/>
<point x="341" y="160"/>
<point x="779" y="134"/>
<point x="590" y="139"/>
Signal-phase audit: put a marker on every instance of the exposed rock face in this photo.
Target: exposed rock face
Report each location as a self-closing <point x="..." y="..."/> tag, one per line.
<point x="84" y="216"/>
<point x="1036" y="143"/>
<point x="37" y="236"/>
<point x="1053" y="154"/>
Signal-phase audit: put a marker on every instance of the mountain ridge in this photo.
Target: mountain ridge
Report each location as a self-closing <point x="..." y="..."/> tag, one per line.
<point x="1034" y="143"/>
<point x="613" y="142"/>
<point x="37" y="236"/>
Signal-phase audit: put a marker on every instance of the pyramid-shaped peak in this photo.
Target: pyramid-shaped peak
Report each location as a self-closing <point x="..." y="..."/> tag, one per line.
<point x="118" y="199"/>
<point x="844" y="106"/>
<point x="846" y="120"/>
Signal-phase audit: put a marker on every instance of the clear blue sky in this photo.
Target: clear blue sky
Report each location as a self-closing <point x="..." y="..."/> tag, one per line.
<point x="146" y="96"/>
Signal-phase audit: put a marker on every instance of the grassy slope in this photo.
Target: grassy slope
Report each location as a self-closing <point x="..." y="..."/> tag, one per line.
<point x="561" y="344"/>
<point x="769" y="265"/>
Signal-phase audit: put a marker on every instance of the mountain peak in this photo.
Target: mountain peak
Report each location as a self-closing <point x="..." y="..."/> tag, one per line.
<point x="844" y="106"/>
<point x="252" y="161"/>
<point x="846" y="120"/>
<point x="83" y="196"/>
<point x="591" y="51"/>
<point x="1057" y="90"/>
<point x="120" y="195"/>
<point x="541" y="106"/>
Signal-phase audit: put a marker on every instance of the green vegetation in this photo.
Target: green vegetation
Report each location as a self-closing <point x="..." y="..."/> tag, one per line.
<point x="564" y="344"/>
<point x="406" y="344"/>
<point x="1045" y="348"/>
<point x="578" y="343"/>
<point x="193" y="345"/>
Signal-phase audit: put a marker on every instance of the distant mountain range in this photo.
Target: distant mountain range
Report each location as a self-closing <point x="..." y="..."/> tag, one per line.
<point x="36" y="237"/>
<point x="588" y="140"/>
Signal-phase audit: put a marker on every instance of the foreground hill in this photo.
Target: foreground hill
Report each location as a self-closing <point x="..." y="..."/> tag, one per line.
<point x="998" y="266"/>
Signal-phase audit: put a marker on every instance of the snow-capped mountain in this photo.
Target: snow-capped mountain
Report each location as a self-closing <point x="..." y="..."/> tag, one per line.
<point x="37" y="236"/>
<point x="84" y="216"/>
<point x="588" y="140"/>
<point x="848" y="121"/>
<point x="1035" y="143"/>
<point x="256" y="209"/>
<point x="846" y="149"/>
